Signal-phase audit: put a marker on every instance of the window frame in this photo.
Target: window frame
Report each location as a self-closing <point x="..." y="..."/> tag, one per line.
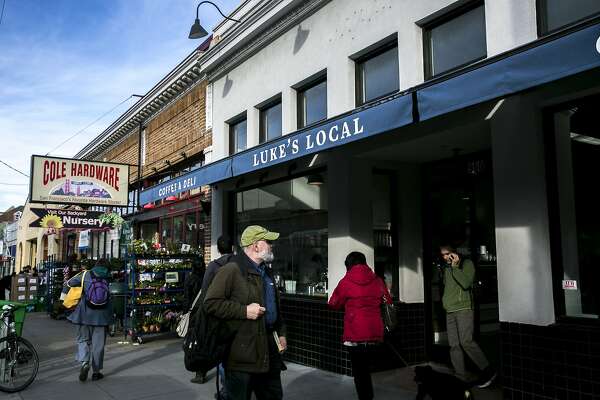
<point x="262" y="108"/>
<point x="437" y="19"/>
<point x="301" y="88"/>
<point x="555" y="228"/>
<point x="541" y="8"/>
<point x="378" y="49"/>
<point x="232" y="138"/>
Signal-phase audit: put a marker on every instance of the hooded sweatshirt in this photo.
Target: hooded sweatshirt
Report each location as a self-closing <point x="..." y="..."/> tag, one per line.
<point x="360" y="294"/>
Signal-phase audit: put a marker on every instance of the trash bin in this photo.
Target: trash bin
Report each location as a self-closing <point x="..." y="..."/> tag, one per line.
<point x="19" y="311"/>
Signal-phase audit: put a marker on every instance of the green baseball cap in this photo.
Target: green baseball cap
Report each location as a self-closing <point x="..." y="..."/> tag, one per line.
<point x="254" y="233"/>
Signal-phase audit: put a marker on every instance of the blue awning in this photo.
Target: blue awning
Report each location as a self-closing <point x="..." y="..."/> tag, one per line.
<point x="561" y="57"/>
<point x="380" y="118"/>
<point x="211" y="173"/>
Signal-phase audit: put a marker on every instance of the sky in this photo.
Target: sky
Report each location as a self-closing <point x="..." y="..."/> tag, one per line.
<point x="65" y="63"/>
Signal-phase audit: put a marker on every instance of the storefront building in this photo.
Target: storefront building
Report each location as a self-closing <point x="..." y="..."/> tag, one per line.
<point x="164" y="134"/>
<point x="394" y="127"/>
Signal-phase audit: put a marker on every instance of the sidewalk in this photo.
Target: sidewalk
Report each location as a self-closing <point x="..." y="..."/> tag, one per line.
<point x="155" y="371"/>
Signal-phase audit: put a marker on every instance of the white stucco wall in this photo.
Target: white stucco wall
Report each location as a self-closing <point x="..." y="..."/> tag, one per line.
<point x="325" y="40"/>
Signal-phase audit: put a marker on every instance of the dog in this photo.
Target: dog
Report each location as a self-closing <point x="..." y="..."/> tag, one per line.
<point x="440" y="386"/>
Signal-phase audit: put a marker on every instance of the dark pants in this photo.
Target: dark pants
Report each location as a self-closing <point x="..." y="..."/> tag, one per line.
<point x="360" y="357"/>
<point x="266" y="386"/>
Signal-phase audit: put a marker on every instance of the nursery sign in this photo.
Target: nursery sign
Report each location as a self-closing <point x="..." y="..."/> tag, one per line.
<point x="56" y="218"/>
<point x="74" y="181"/>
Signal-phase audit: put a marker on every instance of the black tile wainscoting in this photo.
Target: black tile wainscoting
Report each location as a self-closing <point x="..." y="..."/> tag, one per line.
<point x="314" y="336"/>
<point x="561" y="361"/>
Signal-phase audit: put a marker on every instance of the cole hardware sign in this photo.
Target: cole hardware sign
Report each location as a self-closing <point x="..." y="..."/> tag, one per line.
<point x="57" y="219"/>
<point x="74" y="181"/>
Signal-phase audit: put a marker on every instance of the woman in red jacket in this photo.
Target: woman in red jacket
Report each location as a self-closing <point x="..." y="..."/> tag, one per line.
<point x="360" y="293"/>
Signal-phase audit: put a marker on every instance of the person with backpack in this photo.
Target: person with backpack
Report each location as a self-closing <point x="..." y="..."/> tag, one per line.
<point x="360" y="294"/>
<point x="191" y="288"/>
<point x="225" y="248"/>
<point x="92" y="316"/>
<point x="243" y="293"/>
<point x="458" y="277"/>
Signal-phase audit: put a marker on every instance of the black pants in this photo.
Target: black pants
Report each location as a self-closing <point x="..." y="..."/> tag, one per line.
<point x="360" y="357"/>
<point x="266" y="386"/>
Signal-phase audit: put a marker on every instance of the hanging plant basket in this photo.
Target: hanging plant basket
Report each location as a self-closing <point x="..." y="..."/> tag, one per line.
<point x="111" y="219"/>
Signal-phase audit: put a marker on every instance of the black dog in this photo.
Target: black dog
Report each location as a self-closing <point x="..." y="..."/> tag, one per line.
<point x="440" y="386"/>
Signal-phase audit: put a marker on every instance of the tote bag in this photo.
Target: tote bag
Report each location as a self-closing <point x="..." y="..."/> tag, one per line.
<point x="184" y="321"/>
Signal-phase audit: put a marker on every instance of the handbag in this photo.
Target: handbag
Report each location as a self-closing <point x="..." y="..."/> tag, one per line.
<point x="388" y="315"/>
<point x="184" y="321"/>
<point x="74" y="295"/>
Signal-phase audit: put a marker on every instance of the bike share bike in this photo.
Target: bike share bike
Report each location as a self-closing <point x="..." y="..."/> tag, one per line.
<point x="19" y="361"/>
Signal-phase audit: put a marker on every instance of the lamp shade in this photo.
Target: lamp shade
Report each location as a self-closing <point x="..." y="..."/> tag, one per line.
<point x="172" y="198"/>
<point x="314" y="179"/>
<point x="149" y="206"/>
<point x="197" y="31"/>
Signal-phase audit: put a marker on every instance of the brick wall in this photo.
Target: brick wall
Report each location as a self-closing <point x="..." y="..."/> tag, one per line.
<point x="181" y="127"/>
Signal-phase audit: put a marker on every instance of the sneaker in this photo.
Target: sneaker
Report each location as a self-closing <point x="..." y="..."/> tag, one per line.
<point x="83" y="372"/>
<point x="487" y="377"/>
<point x="96" y="376"/>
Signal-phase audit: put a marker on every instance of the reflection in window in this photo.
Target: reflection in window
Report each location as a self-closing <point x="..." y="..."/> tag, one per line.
<point x="577" y="150"/>
<point x="270" y="122"/>
<point x="312" y="104"/>
<point x="298" y="211"/>
<point x="377" y="74"/>
<point x="455" y="42"/>
<point x="237" y="136"/>
<point x="555" y="14"/>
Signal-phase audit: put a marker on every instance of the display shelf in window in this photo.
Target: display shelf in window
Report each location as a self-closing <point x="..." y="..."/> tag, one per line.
<point x="156" y="294"/>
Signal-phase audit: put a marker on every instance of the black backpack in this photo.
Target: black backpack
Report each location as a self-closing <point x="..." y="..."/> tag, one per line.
<point x="207" y="344"/>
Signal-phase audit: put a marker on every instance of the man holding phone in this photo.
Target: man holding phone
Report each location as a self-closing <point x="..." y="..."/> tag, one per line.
<point x="459" y="274"/>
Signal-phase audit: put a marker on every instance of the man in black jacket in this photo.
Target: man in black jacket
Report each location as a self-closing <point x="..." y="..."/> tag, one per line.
<point x="243" y="293"/>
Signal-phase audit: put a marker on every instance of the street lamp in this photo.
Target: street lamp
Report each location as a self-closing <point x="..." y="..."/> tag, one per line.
<point x="197" y="31"/>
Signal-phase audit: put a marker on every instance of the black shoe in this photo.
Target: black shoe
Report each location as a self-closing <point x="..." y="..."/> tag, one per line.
<point x="96" y="376"/>
<point x="487" y="377"/>
<point x="199" y="378"/>
<point x="83" y="372"/>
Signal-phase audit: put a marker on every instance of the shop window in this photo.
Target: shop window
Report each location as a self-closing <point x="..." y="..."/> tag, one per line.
<point x="270" y="121"/>
<point x="377" y="73"/>
<point x="166" y="233"/>
<point x="312" y="103"/>
<point x="298" y="211"/>
<point x="178" y="223"/>
<point x="574" y="207"/>
<point x="454" y="40"/>
<point x="191" y="230"/>
<point x="237" y="135"/>
<point x="555" y="14"/>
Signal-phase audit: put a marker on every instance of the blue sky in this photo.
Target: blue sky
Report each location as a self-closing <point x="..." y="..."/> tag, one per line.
<point x="64" y="63"/>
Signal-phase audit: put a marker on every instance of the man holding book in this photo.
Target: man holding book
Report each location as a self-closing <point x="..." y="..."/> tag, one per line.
<point x="243" y="292"/>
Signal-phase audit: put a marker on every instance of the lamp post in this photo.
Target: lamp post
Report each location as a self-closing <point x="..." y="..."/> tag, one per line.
<point x="197" y="31"/>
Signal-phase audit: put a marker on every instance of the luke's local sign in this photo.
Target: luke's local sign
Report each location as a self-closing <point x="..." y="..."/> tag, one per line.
<point x="72" y="181"/>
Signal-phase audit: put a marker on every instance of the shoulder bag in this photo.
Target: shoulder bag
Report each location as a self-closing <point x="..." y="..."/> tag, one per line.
<point x="74" y="294"/>
<point x="184" y="321"/>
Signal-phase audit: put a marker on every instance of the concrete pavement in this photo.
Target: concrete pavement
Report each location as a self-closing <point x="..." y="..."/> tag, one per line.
<point x="155" y="370"/>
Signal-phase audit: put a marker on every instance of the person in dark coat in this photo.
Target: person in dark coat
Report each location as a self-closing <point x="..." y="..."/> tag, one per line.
<point x="360" y="294"/>
<point x="5" y="284"/>
<point x="92" y="323"/>
<point x="191" y="288"/>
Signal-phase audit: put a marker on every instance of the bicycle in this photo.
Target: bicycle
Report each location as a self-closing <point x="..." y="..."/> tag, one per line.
<point x="19" y="362"/>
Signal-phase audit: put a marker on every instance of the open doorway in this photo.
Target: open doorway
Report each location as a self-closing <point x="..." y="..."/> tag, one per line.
<point x="459" y="211"/>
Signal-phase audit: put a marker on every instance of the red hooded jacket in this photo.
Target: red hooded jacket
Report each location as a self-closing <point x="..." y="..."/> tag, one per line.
<point x="360" y="293"/>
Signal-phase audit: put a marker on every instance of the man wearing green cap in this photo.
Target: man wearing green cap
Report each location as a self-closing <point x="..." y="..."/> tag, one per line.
<point x="243" y="293"/>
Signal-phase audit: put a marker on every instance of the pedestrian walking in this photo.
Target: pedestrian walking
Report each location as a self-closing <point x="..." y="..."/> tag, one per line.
<point x="191" y="288"/>
<point x="458" y="277"/>
<point x="225" y="248"/>
<point x="360" y="294"/>
<point x="92" y="316"/>
<point x="243" y="293"/>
